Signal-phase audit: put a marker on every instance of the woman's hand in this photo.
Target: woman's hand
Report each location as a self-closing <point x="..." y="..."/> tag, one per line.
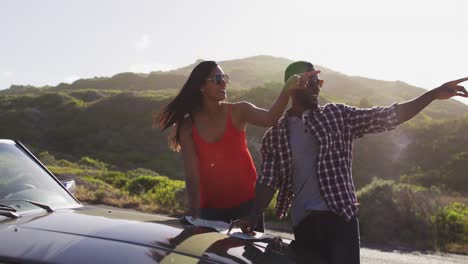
<point x="298" y="81"/>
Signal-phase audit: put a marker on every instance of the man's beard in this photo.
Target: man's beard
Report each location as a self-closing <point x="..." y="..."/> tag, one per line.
<point x="308" y="101"/>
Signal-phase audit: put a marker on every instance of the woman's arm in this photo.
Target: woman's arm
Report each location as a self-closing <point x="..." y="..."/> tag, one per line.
<point x="190" y="159"/>
<point x="251" y="114"/>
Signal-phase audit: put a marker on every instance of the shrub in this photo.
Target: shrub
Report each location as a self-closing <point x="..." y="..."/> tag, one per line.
<point x="398" y="214"/>
<point x="451" y="225"/>
<point x="94" y="183"/>
<point x="143" y="184"/>
<point x="97" y="191"/>
<point x="88" y="162"/>
<point x="99" y="196"/>
<point x="140" y="172"/>
<point x="46" y="158"/>
<point x="66" y="163"/>
<point x="115" y="178"/>
<point x="165" y="194"/>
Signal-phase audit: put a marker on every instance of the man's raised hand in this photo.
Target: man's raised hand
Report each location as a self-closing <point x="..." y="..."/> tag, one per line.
<point x="450" y="89"/>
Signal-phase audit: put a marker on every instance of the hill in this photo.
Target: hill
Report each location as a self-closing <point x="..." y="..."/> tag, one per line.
<point x="110" y="120"/>
<point x="254" y="72"/>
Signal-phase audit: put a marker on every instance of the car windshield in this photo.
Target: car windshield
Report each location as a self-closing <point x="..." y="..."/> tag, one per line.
<point x="21" y="178"/>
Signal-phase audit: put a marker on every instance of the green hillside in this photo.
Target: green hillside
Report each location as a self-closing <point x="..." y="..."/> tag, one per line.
<point x="254" y="72"/>
<point x="115" y="127"/>
<point x="109" y="118"/>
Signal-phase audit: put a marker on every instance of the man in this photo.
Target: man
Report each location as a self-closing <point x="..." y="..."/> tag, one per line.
<point x="307" y="157"/>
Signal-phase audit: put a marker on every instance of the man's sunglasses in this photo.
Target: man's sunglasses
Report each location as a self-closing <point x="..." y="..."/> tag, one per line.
<point x="315" y="79"/>
<point x="219" y="77"/>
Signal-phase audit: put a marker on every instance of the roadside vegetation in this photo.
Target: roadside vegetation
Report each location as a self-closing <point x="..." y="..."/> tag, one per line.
<point x="391" y="213"/>
<point x="139" y="189"/>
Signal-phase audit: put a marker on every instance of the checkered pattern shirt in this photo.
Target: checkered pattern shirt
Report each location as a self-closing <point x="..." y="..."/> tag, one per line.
<point x="335" y="126"/>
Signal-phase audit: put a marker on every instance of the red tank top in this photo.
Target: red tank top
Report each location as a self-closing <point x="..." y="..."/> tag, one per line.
<point x="226" y="169"/>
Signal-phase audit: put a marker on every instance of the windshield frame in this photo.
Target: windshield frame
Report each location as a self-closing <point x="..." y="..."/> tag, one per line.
<point x="24" y="150"/>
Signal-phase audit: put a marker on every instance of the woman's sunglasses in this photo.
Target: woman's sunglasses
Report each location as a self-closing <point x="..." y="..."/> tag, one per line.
<point x="219" y="77"/>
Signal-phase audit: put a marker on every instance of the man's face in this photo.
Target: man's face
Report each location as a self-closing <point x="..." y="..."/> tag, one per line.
<point x="308" y="97"/>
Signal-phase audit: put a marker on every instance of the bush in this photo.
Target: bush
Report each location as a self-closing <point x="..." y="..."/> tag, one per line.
<point x="47" y="159"/>
<point x="94" y="184"/>
<point x="413" y="216"/>
<point x="115" y="178"/>
<point x="66" y="163"/>
<point x="159" y="190"/>
<point x="97" y="191"/>
<point x="143" y="184"/>
<point x="90" y="163"/>
<point x="140" y="172"/>
<point x="99" y="196"/>
<point x="165" y="194"/>
<point x="451" y="225"/>
<point x="398" y="214"/>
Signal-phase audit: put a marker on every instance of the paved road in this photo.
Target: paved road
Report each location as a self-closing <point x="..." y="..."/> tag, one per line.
<point x="374" y="256"/>
<point x="368" y="256"/>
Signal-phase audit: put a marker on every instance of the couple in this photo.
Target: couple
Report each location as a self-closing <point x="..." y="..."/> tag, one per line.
<point x="307" y="155"/>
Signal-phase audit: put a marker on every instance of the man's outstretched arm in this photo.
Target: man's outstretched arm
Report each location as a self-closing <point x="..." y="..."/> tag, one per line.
<point x="407" y="110"/>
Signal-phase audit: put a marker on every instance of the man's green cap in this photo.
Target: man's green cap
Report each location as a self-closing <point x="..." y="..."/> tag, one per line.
<point x="297" y="67"/>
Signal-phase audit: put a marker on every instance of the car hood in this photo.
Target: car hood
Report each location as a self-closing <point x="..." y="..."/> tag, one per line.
<point x="109" y="236"/>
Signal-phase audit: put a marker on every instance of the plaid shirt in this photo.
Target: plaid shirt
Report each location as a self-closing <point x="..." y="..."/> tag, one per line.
<point x="335" y="126"/>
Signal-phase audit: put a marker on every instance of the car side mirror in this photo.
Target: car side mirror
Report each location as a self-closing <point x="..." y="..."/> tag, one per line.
<point x="70" y="185"/>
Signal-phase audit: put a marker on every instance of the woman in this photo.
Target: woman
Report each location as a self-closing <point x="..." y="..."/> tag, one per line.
<point x="220" y="173"/>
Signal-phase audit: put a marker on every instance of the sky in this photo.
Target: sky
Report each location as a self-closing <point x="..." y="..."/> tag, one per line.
<point x="423" y="43"/>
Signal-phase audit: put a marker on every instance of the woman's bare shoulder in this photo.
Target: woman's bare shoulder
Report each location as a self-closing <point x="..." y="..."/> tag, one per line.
<point x="241" y="106"/>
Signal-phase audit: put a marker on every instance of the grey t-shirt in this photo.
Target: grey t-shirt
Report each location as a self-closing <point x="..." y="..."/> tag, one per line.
<point x="305" y="149"/>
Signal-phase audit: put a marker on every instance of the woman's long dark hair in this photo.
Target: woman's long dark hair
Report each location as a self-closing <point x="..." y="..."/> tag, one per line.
<point x="188" y="101"/>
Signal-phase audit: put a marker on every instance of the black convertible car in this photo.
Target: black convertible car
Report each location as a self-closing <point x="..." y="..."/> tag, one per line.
<point x="42" y="222"/>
